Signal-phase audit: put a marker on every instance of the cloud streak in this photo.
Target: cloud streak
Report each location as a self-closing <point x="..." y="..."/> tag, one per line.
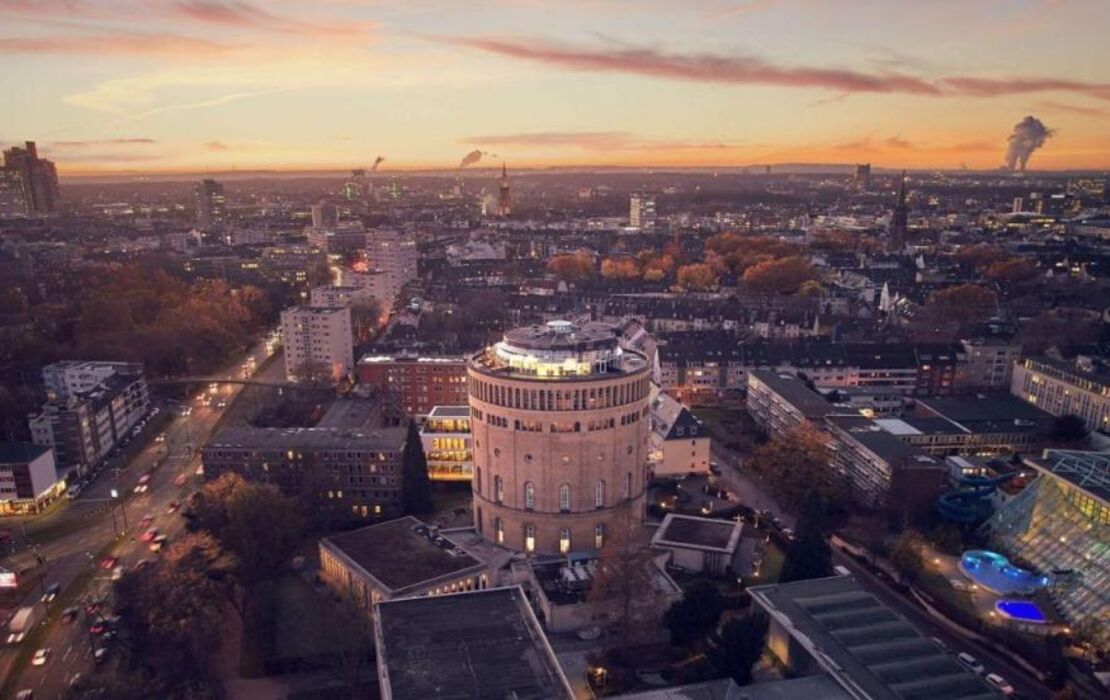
<point x="1083" y="110"/>
<point x="104" y="142"/>
<point x="754" y="70"/>
<point x="233" y="13"/>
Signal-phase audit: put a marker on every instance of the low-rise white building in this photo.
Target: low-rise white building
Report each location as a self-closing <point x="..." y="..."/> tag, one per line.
<point x="28" y="477"/>
<point x="699" y="545"/>
<point x="680" y="443"/>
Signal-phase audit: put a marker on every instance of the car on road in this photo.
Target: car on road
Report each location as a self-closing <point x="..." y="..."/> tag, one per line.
<point x="98" y="627"/>
<point x="149" y="535"/>
<point x="117" y="573"/>
<point x="52" y="592"/>
<point x="141" y="564"/>
<point x="970" y="662"/>
<point x="161" y="437"/>
<point x="181" y="479"/>
<point x="788" y="533"/>
<point x="715" y="468"/>
<point x="100" y="656"/>
<point x="958" y="583"/>
<point x="173" y="507"/>
<point x="222" y="403"/>
<point x="40" y="657"/>
<point x="141" y="488"/>
<point x="109" y="563"/>
<point x="70" y="614"/>
<point x="92" y="607"/>
<point x="25" y="694"/>
<point x="158" y="543"/>
<point x="999" y="683"/>
<point x="939" y="643"/>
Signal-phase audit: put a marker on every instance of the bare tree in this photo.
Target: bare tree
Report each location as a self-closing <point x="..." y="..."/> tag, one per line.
<point x="625" y="584"/>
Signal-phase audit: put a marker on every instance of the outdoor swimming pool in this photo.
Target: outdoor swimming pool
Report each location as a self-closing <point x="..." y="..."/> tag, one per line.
<point x="994" y="572"/>
<point x="1023" y="610"/>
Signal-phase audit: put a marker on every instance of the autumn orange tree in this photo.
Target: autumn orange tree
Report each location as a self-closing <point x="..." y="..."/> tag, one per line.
<point x="784" y="276"/>
<point x="622" y="268"/>
<point x="797" y="461"/>
<point x="697" y="277"/>
<point x="572" y="267"/>
<point x="1012" y="272"/>
<point x="948" y="310"/>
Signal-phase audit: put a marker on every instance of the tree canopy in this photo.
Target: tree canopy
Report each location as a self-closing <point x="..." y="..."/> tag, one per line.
<point x="809" y="555"/>
<point x="416" y="488"/>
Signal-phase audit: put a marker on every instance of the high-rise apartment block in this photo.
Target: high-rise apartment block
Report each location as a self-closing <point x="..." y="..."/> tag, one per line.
<point x="211" y="205"/>
<point x="324" y="215"/>
<point x="394" y="254"/>
<point x="641" y="212"/>
<point x="318" y="342"/>
<point x="560" y="419"/>
<point x="28" y="184"/>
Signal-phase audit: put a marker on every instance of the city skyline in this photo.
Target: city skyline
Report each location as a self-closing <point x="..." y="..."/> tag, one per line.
<point x="206" y="85"/>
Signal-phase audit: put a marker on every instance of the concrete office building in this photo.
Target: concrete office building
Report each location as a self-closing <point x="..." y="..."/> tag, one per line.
<point x="560" y="416"/>
<point x="318" y="342"/>
<point x="1081" y="387"/>
<point x="324" y="215"/>
<point x="398" y="559"/>
<point x="338" y="296"/>
<point x="448" y="447"/>
<point x="28" y="477"/>
<point x="359" y="469"/>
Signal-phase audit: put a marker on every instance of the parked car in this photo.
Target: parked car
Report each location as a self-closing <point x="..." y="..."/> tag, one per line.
<point x="108" y="563"/>
<point x="149" y="535"/>
<point x="70" y="614"/>
<point x="158" y="543"/>
<point x="999" y="683"/>
<point x="970" y="662"/>
<point x="939" y="643"/>
<point x="100" y="656"/>
<point x="161" y="437"/>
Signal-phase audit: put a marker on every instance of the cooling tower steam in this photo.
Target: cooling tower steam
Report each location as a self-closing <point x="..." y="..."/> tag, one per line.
<point x="471" y="158"/>
<point x="1029" y="134"/>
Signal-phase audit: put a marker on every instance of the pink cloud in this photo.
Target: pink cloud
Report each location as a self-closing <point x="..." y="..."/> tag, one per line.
<point x="243" y="14"/>
<point x="753" y="70"/>
<point x="112" y="43"/>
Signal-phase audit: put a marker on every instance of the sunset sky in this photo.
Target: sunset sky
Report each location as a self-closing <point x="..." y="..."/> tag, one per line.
<point x="193" y="85"/>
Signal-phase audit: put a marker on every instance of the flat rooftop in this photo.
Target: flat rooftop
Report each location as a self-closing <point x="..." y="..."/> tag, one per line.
<point x="402" y="554"/>
<point x="450" y="412"/>
<point x="352" y="413"/>
<point x="238" y="437"/>
<point x="796" y="393"/>
<point x="704" y="533"/>
<point x="874" y="435"/>
<point x="466" y="646"/>
<point x="861" y="642"/>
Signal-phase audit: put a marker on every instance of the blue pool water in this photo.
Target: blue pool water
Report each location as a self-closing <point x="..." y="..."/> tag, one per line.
<point x="1024" y="610"/>
<point x="994" y="572"/>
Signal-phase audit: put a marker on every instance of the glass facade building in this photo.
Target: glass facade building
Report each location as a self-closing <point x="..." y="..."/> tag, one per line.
<point x="1060" y="525"/>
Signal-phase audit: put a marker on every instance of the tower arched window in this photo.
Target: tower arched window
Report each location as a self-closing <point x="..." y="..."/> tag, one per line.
<point x="499" y="530"/>
<point x="564" y="540"/>
<point x="564" y="498"/>
<point x="599" y="494"/>
<point x="529" y="495"/>
<point x="628" y="485"/>
<point x="498" y="489"/>
<point x="599" y="535"/>
<point x="529" y="538"/>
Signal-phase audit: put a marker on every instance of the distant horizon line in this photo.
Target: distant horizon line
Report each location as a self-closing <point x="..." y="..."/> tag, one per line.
<point x="813" y="168"/>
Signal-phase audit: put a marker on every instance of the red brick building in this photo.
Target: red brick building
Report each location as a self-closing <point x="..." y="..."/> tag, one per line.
<point x="415" y="385"/>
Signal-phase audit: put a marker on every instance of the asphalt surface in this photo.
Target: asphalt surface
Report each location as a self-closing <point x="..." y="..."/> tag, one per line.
<point x="173" y="466"/>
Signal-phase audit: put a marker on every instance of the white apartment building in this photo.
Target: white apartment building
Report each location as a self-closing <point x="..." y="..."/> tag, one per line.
<point x="63" y="380"/>
<point x="641" y="212"/>
<point x="317" y="337"/>
<point x="394" y="254"/>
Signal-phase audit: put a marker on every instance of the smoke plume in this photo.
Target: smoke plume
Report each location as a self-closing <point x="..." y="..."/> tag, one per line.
<point x="471" y="158"/>
<point x="377" y="162"/>
<point x="1029" y="135"/>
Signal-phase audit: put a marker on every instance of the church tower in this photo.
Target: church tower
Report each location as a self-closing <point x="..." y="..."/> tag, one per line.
<point x="899" y="220"/>
<point x="504" y="200"/>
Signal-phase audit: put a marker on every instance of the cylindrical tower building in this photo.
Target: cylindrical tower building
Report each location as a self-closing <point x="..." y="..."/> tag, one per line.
<point x="560" y="419"/>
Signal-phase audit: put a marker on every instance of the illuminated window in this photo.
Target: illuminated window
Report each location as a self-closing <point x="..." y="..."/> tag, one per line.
<point x="599" y="494"/>
<point x="564" y="540"/>
<point x="498" y="490"/>
<point x="564" y="498"/>
<point x="599" y="535"/>
<point x="529" y="538"/>
<point x="499" y="530"/>
<point x="529" y="495"/>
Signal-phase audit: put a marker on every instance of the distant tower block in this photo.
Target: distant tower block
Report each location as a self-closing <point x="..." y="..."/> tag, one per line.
<point x="504" y="197"/>
<point x="862" y="178"/>
<point x="899" y="220"/>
